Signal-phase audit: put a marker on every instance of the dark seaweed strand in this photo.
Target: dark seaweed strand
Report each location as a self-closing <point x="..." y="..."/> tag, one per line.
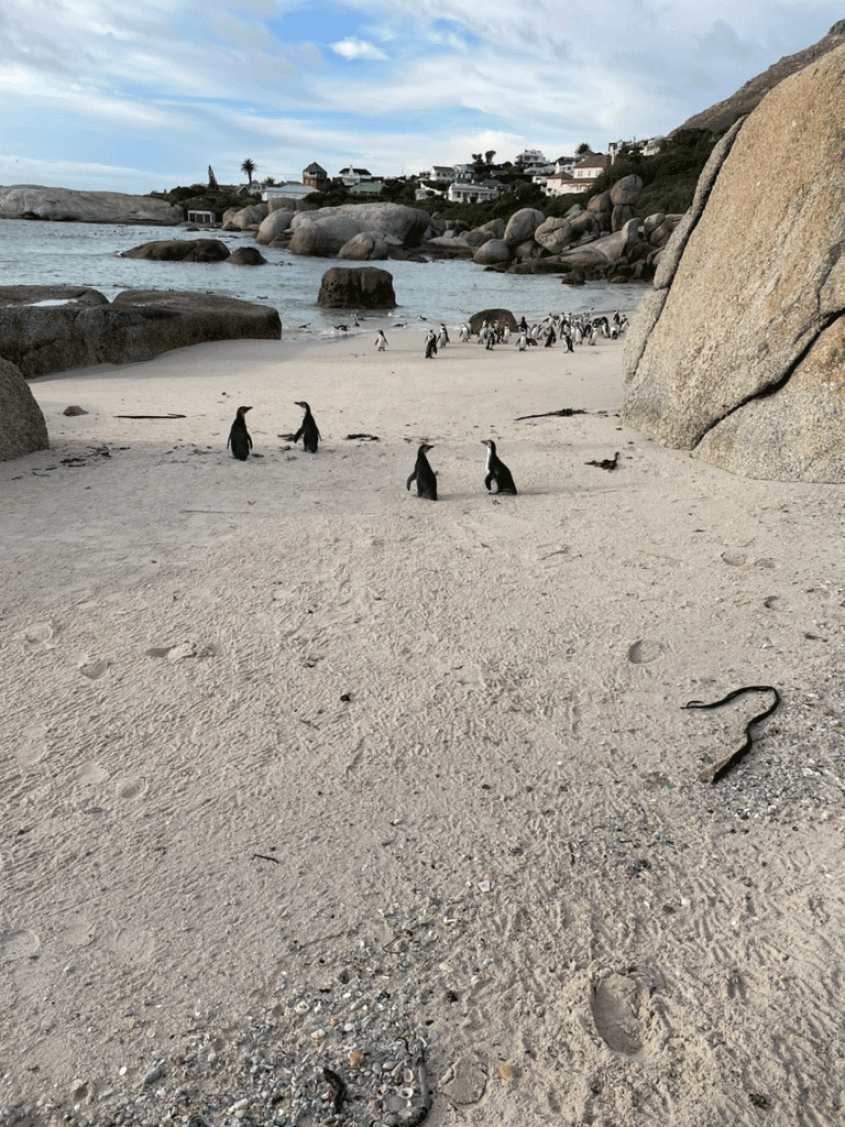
<point x="713" y="775"/>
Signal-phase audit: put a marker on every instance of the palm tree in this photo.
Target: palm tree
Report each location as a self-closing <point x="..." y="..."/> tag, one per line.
<point x="248" y="168"/>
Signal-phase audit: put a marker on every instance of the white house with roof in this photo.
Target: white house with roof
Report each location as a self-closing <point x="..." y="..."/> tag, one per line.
<point x="463" y="191"/>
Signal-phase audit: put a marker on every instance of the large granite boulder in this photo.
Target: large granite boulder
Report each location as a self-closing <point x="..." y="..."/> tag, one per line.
<point x="22" y="425"/>
<point x="247" y="218"/>
<point x="323" y="231"/>
<point x="626" y="190"/>
<point x="365" y="246"/>
<point x="554" y="235"/>
<point x="737" y="354"/>
<point x="522" y="225"/>
<point x="275" y="224"/>
<point x="321" y="239"/>
<point x="343" y="287"/>
<point x="53" y="335"/>
<point x="492" y="252"/>
<point x="29" y="201"/>
<point x="180" y="250"/>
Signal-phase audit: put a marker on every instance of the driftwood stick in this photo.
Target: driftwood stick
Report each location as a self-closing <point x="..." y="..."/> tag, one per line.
<point x="564" y="413"/>
<point x="718" y="770"/>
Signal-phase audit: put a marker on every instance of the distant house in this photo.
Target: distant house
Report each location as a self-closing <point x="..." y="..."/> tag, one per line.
<point x="648" y="148"/>
<point x="366" y="188"/>
<point x="588" y="170"/>
<point x="290" y="189"/>
<point x="529" y="157"/>
<point x="200" y="217"/>
<point x="351" y="176"/>
<point x="466" y="192"/>
<point x="560" y="184"/>
<point x="442" y="172"/>
<point x="316" y="177"/>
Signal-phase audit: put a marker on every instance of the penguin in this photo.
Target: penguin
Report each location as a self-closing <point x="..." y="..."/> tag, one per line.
<point x="442" y="336"/>
<point x="430" y="345"/>
<point x="308" y="432"/>
<point x="381" y="341"/>
<point x="424" y="475"/>
<point x="240" y="439"/>
<point x="499" y="478"/>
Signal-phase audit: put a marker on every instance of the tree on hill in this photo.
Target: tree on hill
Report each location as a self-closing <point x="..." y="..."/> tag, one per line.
<point x="488" y="156"/>
<point x="248" y="168"/>
<point x="582" y="149"/>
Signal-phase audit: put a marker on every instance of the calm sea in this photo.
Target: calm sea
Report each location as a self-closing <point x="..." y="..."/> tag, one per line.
<point x="88" y="254"/>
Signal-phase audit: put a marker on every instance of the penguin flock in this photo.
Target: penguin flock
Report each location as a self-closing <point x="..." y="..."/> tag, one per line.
<point x="569" y="328"/>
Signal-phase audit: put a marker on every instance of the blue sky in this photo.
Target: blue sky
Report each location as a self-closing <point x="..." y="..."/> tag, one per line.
<point x="145" y="95"/>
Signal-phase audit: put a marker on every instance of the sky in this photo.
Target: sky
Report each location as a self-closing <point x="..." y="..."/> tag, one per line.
<point x="144" y="95"/>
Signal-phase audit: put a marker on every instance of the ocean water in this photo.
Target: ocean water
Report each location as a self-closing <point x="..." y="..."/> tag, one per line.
<point x="88" y="254"/>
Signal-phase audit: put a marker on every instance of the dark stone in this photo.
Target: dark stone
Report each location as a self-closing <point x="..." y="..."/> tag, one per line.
<point x="505" y="318"/>
<point x="247" y="256"/>
<point x="344" y="287"/>
<point x="180" y="250"/>
<point x="137" y="325"/>
<point x="22" y="425"/>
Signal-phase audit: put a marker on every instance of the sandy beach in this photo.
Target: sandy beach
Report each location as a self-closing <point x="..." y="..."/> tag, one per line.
<point x="301" y="771"/>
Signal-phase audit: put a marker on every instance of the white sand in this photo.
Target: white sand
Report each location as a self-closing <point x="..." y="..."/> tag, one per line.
<point x="503" y="827"/>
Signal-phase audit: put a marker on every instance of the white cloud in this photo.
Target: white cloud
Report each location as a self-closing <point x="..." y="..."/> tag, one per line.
<point x="353" y="48"/>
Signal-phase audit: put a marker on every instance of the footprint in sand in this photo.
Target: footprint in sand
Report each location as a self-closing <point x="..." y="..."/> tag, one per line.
<point x="131" y="788"/>
<point x="19" y="943"/>
<point x="38" y="634"/>
<point x="94" y="670"/>
<point x="92" y="774"/>
<point x="615" y="1004"/>
<point x="79" y="932"/>
<point x="33" y="745"/>
<point x="643" y="651"/>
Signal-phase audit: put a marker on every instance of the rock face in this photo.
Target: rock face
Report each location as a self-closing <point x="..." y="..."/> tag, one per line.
<point x="22" y="425"/>
<point x="737" y="354"/>
<point x="137" y="325"/>
<point x="343" y="287"/>
<point x="27" y="201"/>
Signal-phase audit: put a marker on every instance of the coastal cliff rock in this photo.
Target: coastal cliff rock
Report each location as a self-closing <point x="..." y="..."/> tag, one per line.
<point x="737" y="354"/>
<point x="28" y="201"/>
<point x="22" y="425"/>
<point x="343" y="287"/>
<point x="62" y="333"/>
<point x="723" y="115"/>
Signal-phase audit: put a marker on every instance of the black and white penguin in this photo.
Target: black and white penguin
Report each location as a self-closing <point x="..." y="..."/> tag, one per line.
<point x="424" y="475"/>
<point x="308" y="431"/>
<point x="240" y="439"/>
<point x="499" y="478"/>
<point x="381" y="341"/>
<point x="430" y="345"/>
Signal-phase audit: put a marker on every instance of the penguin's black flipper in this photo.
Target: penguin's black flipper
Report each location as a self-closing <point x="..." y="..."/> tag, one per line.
<point x="298" y="434"/>
<point x="413" y="477"/>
